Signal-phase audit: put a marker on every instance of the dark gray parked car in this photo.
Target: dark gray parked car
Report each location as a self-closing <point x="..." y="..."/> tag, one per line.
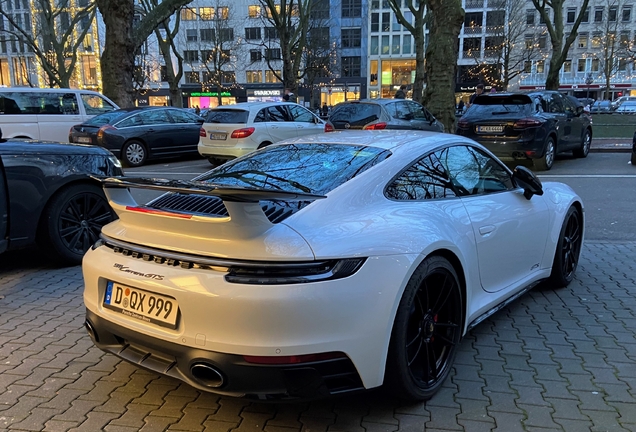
<point x="382" y="114"/>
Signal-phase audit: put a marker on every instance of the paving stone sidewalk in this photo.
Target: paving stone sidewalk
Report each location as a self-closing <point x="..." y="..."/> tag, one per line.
<point x="553" y="361"/>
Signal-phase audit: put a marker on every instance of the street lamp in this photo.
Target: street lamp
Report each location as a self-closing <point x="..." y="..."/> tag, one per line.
<point x="589" y="80"/>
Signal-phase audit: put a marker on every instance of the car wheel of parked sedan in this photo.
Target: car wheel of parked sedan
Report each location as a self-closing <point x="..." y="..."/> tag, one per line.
<point x="633" y="158"/>
<point x="134" y="153"/>
<point x="73" y="221"/>
<point x="546" y="162"/>
<point x="583" y="151"/>
<point x="568" y="249"/>
<point x="426" y="332"/>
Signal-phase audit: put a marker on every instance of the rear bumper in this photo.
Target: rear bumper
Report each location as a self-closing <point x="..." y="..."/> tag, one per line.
<point x="512" y="148"/>
<point x="226" y="374"/>
<point x="241" y="148"/>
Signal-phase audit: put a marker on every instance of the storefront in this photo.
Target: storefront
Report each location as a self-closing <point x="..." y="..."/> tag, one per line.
<point x="593" y="91"/>
<point x="159" y="97"/>
<point x="264" y="95"/>
<point x="334" y="94"/>
<point x="388" y="75"/>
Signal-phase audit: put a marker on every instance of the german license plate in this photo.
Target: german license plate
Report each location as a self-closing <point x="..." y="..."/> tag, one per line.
<point x="218" y="136"/>
<point x="143" y="305"/>
<point x="496" y="129"/>
<point x="84" y="140"/>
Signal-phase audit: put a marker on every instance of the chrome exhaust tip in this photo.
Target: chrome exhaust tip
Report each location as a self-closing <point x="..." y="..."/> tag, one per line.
<point x="206" y="375"/>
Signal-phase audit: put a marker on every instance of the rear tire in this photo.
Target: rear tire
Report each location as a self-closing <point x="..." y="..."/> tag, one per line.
<point x="134" y="153"/>
<point x="546" y="162"/>
<point x="73" y="221"/>
<point x="633" y="158"/>
<point x="426" y="332"/>
<point x="568" y="250"/>
<point x="586" y="142"/>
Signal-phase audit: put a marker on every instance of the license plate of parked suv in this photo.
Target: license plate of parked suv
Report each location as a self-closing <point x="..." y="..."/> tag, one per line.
<point x="218" y="136"/>
<point x="84" y="140"/>
<point x="143" y="305"/>
<point x="489" y="128"/>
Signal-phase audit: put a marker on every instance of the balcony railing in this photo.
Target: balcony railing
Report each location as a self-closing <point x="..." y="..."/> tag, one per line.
<point x="473" y="30"/>
<point x="497" y="4"/>
<point x="474" y="4"/>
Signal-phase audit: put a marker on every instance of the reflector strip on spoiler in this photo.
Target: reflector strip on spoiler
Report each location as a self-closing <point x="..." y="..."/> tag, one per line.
<point x="226" y="193"/>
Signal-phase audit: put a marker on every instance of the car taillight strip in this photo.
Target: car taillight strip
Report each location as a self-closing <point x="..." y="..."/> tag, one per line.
<point x="246" y="272"/>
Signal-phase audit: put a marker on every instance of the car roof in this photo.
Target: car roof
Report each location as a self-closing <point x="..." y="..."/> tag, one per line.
<point x="384" y="139"/>
<point x="381" y="101"/>
<point x="248" y="106"/>
<point x="46" y="90"/>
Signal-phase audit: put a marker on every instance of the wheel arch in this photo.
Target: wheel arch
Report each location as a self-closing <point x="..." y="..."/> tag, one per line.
<point x="264" y="144"/>
<point x="41" y="227"/>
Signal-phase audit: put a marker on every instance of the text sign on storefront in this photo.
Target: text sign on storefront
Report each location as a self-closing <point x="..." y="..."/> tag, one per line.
<point x="209" y="94"/>
<point x="264" y="92"/>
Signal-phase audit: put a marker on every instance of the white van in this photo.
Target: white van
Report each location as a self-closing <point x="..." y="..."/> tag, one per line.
<point x="47" y="114"/>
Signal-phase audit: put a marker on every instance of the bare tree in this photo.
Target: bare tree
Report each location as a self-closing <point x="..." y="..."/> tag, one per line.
<point x="610" y="46"/>
<point x="56" y="37"/>
<point x="122" y="42"/>
<point x="416" y="28"/>
<point x="551" y="12"/>
<point x="289" y="20"/>
<point x="166" y="40"/>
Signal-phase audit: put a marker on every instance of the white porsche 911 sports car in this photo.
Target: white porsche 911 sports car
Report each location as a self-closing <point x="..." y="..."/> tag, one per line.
<point x="323" y="265"/>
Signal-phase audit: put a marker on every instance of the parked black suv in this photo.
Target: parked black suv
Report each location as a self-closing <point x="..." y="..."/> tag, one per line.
<point x="382" y="114"/>
<point x="536" y="126"/>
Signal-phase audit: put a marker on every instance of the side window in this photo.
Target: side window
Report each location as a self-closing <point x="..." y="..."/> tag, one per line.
<point x="555" y="104"/>
<point x="419" y="113"/>
<point x="68" y="104"/>
<point x="425" y="179"/>
<point x="402" y="111"/>
<point x="95" y="104"/>
<point x="569" y="106"/>
<point x="278" y="113"/>
<point x="58" y="103"/>
<point x="182" y="116"/>
<point x="391" y="108"/>
<point x="20" y="103"/>
<point x="260" y="117"/>
<point x="130" y="121"/>
<point x="300" y="114"/>
<point x="154" y="117"/>
<point x="473" y="172"/>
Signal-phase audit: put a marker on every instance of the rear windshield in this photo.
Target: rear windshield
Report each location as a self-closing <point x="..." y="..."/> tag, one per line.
<point x="107" y="118"/>
<point x="356" y="114"/>
<point x="309" y="168"/>
<point x="502" y="105"/>
<point x="227" y="116"/>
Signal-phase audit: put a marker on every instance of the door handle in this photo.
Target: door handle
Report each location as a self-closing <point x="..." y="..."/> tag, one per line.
<point x="487" y="229"/>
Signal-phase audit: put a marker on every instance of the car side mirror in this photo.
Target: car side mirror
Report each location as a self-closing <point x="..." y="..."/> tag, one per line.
<point x="579" y="110"/>
<point x="527" y="180"/>
<point x="201" y="121"/>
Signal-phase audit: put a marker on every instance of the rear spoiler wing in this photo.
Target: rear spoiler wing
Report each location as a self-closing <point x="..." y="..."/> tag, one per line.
<point x="226" y="193"/>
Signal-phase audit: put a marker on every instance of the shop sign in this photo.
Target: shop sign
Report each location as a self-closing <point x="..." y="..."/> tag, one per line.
<point x="209" y="94"/>
<point x="340" y="89"/>
<point x="274" y="92"/>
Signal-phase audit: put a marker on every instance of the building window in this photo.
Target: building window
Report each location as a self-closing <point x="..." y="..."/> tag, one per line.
<point x="228" y="77"/>
<point x="319" y="9"/>
<point x="598" y="15"/>
<point x="252" y="33"/>
<point x="473" y="22"/>
<point x="571" y="15"/>
<point x="272" y="54"/>
<point x="385" y="44"/>
<point x="192" y="77"/>
<point x="206" y="56"/>
<point x="351" y="8"/>
<point x="189" y="14"/>
<point x="541" y="20"/>
<point x="270" y="76"/>
<point x="624" y="40"/>
<point x="613" y="12"/>
<point x="582" y="40"/>
<point x="191" y="56"/>
<point x="375" y="22"/>
<point x="223" y="13"/>
<point x="580" y="67"/>
<point x="626" y="16"/>
<point x="622" y="65"/>
<point x="191" y="35"/>
<point x="395" y="44"/>
<point x="254" y="11"/>
<point x="351" y="37"/>
<point x="254" y="76"/>
<point x="586" y="15"/>
<point x="227" y="35"/>
<point x="406" y="44"/>
<point x="206" y="13"/>
<point x="540" y="66"/>
<point x="472" y="47"/>
<point x="207" y="35"/>
<point x="374" y="45"/>
<point x="595" y="65"/>
<point x="256" y="55"/>
<point x="271" y="33"/>
<point x="527" y="66"/>
<point x="543" y="41"/>
<point x="386" y="21"/>
<point x="350" y="66"/>
<point x="597" y="40"/>
<point x="530" y="14"/>
<point x="319" y="38"/>
<point x="529" y="42"/>
<point x="567" y="66"/>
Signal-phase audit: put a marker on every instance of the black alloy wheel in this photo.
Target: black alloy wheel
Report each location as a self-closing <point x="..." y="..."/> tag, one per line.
<point x="426" y="332"/>
<point x="586" y="142"/>
<point x="547" y="160"/>
<point x="73" y="221"/>
<point x="568" y="250"/>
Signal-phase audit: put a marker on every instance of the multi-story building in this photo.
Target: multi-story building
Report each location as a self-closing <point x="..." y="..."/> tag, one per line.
<point x="19" y="66"/>
<point x="603" y="51"/>
<point x="234" y="41"/>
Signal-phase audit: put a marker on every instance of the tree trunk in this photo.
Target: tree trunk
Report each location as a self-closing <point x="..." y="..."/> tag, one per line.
<point x="420" y="71"/>
<point x="176" y="98"/>
<point x="119" y="50"/>
<point x="445" y="22"/>
<point x="553" y="80"/>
